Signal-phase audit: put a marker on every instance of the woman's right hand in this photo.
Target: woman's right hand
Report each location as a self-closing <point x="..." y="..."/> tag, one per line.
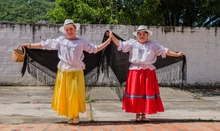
<point x="28" y="45"/>
<point x="109" y="33"/>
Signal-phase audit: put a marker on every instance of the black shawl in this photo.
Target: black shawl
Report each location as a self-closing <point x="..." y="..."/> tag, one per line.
<point x="39" y="62"/>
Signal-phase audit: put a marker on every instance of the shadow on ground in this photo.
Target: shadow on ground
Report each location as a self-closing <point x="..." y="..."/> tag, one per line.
<point x="152" y="121"/>
<point x="202" y="91"/>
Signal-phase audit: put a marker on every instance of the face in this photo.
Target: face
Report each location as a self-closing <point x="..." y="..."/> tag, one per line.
<point x="70" y="31"/>
<point x="142" y="37"/>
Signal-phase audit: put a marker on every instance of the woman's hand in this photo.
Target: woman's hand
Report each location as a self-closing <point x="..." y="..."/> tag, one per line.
<point x="180" y="54"/>
<point x="28" y="45"/>
<point x="171" y="53"/>
<point x="109" y="33"/>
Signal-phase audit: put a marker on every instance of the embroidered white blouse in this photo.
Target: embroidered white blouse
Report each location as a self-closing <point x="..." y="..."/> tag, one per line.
<point x="142" y="56"/>
<point x="70" y="52"/>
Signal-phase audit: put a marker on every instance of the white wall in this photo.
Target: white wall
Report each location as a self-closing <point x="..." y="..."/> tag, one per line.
<point x="200" y="45"/>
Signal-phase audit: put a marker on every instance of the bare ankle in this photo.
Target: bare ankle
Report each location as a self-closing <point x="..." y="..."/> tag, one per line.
<point x="138" y="117"/>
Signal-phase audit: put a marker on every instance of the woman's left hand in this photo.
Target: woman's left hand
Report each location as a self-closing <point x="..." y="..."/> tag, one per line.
<point x="180" y="54"/>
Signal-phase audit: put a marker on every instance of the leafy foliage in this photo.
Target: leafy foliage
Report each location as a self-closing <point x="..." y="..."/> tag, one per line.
<point x="127" y="12"/>
<point x="107" y="12"/>
<point x="25" y="11"/>
<point x="82" y="11"/>
<point x="190" y="12"/>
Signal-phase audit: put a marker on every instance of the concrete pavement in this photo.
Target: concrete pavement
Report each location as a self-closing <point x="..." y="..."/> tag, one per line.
<point x="23" y="108"/>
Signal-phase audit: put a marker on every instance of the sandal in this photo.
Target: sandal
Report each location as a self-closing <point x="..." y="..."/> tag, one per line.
<point x="70" y="121"/>
<point x="76" y="120"/>
<point x="138" y="117"/>
<point x="144" y="118"/>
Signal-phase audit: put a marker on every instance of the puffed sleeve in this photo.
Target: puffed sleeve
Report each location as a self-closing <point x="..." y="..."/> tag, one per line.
<point x="52" y="44"/>
<point x="126" y="46"/>
<point x="160" y="50"/>
<point x="88" y="47"/>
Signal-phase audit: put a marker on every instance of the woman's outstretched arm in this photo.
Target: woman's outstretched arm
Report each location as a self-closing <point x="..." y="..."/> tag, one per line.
<point x="171" y="53"/>
<point x="32" y="45"/>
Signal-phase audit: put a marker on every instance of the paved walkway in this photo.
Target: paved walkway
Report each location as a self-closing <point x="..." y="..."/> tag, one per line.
<point x="28" y="108"/>
<point x="111" y="126"/>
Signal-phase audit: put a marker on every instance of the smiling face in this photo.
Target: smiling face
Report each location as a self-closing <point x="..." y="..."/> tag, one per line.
<point x="142" y="37"/>
<point x="70" y="31"/>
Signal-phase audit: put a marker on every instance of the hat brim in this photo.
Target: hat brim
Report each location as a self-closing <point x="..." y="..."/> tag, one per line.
<point x="63" y="30"/>
<point x="149" y="32"/>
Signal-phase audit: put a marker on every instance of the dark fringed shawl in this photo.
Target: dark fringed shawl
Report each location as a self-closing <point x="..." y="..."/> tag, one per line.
<point x="47" y="61"/>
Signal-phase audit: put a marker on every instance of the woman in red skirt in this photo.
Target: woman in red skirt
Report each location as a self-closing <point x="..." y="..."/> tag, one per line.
<point x="142" y="94"/>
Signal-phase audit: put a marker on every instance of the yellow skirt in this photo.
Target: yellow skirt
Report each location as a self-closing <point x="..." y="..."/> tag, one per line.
<point x="69" y="93"/>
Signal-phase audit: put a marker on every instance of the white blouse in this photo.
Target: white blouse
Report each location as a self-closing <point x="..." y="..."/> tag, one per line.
<point x="70" y="52"/>
<point x="142" y="56"/>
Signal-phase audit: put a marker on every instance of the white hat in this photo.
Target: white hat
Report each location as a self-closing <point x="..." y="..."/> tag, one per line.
<point x="142" y="28"/>
<point x="67" y="22"/>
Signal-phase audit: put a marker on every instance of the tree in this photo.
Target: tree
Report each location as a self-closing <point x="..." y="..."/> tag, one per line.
<point x="137" y="12"/>
<point x="107" y="12"/>
<point x="190" y="12"/>
<point x="127" y="12"/>
<point x="82" y="11"/>
<point x="25" y="11"/>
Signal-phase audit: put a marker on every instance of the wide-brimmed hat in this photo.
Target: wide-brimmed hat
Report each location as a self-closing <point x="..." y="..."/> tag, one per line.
<point x="142" y="28"/>
<point x="67" y="22"/>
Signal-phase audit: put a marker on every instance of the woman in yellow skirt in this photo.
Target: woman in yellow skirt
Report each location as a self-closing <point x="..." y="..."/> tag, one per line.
<point x="69" y="91"/>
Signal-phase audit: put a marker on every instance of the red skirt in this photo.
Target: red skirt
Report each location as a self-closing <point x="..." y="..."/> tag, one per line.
<point x="142" y="94"/>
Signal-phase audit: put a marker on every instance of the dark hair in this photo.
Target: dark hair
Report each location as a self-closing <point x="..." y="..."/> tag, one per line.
<point x="73" y="25"/>
<point x="144" y="31"/>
